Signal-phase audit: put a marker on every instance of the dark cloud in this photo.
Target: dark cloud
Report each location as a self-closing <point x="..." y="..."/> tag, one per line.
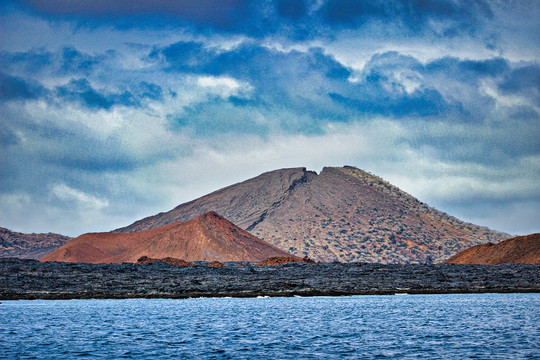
<point x="291" y="9"/>
<point x="226" y="15"/>
<point x="203" y="10"/>
<point x="423" y="103"/>
<point x="415" y="16"/>
<point x="81" y="91"/>
<point x="33" y="60"/>
<point x="16" y="88"/>
<point x="37" y="65"/>
<point x="524" y="81"/>
<point x="73" y="61"/>
<point x="466" y="15"/>
<point x="185" y="56"/>
<point x="469" y="70"/>
<point x="146" y="90"/>
<point x="355" y="13"/>
<point x="380" y="90"/>
<point x="67" y="61"/>
<point x="297" y="81"/>
<point x="291" y="18"/>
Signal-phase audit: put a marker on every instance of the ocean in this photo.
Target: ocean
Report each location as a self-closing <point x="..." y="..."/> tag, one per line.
<point x="475" y="326"/>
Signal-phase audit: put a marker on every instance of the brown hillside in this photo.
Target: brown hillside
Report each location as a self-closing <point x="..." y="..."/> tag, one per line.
<point x="29" y="246"/>
<point x="209" y="237"/>
<point x="518" y="250"/>
<point x="342" y="214"/>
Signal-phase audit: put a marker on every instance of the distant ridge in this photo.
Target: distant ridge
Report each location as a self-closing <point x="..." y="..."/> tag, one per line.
<point x="517" y="250"/>
<point x="209" y="237"/>
<point x="29" y="246"/>
<point x="342" y="214"/>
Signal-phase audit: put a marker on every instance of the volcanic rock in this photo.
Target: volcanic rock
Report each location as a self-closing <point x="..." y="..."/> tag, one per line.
<point x="216" y="264"/>
<point x="280" y="260"/>
<point x="342" y="214"/>
<point x="517" y="250"/>
<point x="29" y="279"/>
<point x="168" y="260"/>
<point x="209" y="237"/>
<point x="29" y="246"/>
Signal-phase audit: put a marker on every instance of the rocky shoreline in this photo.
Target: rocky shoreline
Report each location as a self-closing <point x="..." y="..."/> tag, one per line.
<point x="30" y="279"/>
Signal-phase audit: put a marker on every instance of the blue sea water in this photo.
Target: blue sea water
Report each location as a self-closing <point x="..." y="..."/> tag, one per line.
<point x="479" y="326"/>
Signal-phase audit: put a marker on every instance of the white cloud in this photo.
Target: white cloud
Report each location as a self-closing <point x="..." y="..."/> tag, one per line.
<point x="79" y="198"/>
<point x="224" y="86"/>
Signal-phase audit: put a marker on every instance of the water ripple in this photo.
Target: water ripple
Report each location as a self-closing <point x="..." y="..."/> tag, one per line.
<point x="488" y="326"/>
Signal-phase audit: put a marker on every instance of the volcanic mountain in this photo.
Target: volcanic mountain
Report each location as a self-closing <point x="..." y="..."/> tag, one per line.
<point x="342" y="214"/>
<point x="209" y="237"/>
<point x="29" y="246"/>
<point x="517" y="250"/>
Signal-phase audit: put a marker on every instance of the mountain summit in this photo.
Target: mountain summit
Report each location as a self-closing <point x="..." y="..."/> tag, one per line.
<point x="209" y="237"/>
<point x="342" y="214"/>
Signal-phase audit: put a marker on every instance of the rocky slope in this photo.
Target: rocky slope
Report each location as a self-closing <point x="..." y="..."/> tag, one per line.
<point x="29" y="246"/>
<point x="517" y="250"/>
<point x="342" y="214"/>
<point x="209" y="237"/>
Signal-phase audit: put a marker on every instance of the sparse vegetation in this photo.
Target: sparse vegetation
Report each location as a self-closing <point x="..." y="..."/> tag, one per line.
<point x="348" y="217"/>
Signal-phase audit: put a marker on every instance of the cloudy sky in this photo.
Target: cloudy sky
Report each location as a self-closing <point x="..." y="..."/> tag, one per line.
<point x="115" y="110"/>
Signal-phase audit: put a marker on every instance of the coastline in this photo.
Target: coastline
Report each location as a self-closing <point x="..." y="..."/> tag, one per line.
<point x="30" y="279"/>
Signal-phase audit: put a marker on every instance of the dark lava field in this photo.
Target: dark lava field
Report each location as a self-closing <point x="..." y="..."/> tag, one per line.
<point x="30" y="279"/>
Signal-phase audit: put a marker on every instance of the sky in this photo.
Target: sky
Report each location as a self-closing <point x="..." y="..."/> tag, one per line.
<point x="112" y="111"/>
